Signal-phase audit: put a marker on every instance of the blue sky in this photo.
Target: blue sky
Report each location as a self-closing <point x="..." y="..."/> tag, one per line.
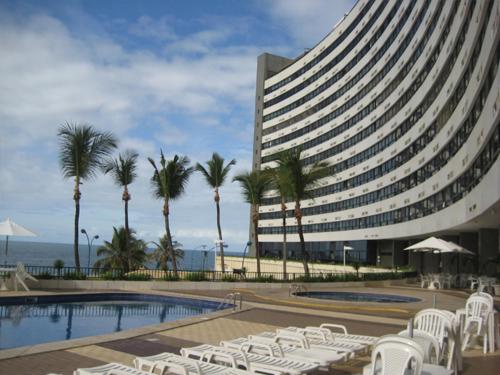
<point x="176" y="75"/>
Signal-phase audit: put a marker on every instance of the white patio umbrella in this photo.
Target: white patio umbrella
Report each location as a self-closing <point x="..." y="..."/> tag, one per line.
<point x="460" y="249"/>
<point x="9" y="228"/>
<point x="433" y="244"/>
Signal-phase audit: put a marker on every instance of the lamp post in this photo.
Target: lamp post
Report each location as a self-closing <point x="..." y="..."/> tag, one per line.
<point x="249" y="243"/>
<point x="346" y="249"/>
<point x="89" y="242"/>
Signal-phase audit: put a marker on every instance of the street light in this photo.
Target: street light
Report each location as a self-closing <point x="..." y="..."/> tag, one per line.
<point x="249" y="243"/>
<point x="89" y="242"/>
<point x="346" y="248"/>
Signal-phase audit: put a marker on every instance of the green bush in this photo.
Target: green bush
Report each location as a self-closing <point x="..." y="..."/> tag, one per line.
<point x="230" y="278"/>
<point x="44" y="276"/>
<point x="262" y="279"/>
<point x="138" y="277"/>
<point x="110" y="275"/>
<point x="169" y="276"/>
<point x="74" y="276"/>
<point x="195" y="276"/>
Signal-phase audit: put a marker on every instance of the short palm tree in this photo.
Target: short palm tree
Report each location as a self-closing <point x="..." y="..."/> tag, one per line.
<point x="254" y="185"/>
<point x="161" y="254"/>
<point x="302" y="180"/>
<point x="281" y="183"/>
<point x="82" y="152"/>
<point x="115" y="254"/>
<point x="169" y="183"/>
<point x="215" y="177"/>
<point x="124" y="171"/>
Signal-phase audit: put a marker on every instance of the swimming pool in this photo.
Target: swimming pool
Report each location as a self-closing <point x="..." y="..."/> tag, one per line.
<point x="358" y="297"/>
<point x="42" y="319"/>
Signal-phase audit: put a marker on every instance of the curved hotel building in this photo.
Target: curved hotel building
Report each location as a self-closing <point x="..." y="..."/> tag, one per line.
<point x="402" y="99"/>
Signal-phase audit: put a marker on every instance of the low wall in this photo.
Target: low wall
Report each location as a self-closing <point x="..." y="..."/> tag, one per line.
<point x="196" y="285"/>
<point x="276" y="266"/>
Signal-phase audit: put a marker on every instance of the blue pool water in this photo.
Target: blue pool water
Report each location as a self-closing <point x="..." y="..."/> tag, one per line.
<point x="36" y="320"/>
<point x="358" y="297"/>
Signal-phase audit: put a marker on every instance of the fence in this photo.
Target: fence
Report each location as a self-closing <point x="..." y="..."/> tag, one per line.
<point x="90" y="273"/>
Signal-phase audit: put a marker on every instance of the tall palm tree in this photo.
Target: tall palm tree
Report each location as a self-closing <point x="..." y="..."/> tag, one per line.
<point x="115" y="254"/>
<point x="169" y="183"/>
<point x="161" y="256"/>
<point x="254" y="185"/>
<point x="302" y="180"/>
<point x="281" y="182"/>
<point x="124" y="171"/>
<point x="215" y="177"/>
<point x="81" y="154"/>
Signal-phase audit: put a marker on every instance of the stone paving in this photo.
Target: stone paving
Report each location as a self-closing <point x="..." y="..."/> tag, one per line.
<point x="267" y="311"/>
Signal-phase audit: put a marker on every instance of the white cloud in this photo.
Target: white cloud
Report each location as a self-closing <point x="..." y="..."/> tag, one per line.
<point x="148" y="27"/>
<point x="307" y="21"/>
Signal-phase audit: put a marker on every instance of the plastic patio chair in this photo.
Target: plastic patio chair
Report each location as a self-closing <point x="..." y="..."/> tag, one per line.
<point x="429" y="344"/>
<point x="395" y="355"/>
<point x="439" y="325"/>
<point x="22" y="275"/>
<point x="477" y="310"/>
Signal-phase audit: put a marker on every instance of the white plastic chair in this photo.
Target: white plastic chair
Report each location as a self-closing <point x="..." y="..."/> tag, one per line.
<point x="477" y="310"/>
<point x="109" y="369"/>
<point x="395" y="355"/>
<point x="424" y="281"/>
<point x="429" y="344"/>
<point x="22" y="275"/>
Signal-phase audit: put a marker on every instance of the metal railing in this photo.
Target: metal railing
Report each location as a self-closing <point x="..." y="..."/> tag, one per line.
<point x="91" y="273"/>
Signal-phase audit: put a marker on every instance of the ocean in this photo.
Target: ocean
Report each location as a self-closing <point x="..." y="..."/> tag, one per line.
<point x="44" y="254"/>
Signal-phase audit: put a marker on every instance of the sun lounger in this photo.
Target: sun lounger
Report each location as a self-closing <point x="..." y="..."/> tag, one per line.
<point x="109" y="369"/>
<point x="251" y="362"/>
<point x="321" y="336"/>
<point x="344" y="335"/>
<point x="299" y="340"/>
<point x="321" y="358"/>
<point x="169" y="362"/>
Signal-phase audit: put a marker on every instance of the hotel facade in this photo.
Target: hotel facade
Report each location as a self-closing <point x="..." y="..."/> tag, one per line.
<point x="402" y="99"/>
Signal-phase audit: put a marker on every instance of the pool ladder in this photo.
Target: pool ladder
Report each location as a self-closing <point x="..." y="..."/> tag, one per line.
<point x="232" y="298"/>
<point x="296" y="288"/>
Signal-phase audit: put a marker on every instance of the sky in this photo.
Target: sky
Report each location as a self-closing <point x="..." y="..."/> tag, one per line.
<point x="172" y="75"/>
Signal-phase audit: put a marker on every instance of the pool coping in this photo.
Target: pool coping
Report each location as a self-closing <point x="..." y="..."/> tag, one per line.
<point x="129" y="333"/>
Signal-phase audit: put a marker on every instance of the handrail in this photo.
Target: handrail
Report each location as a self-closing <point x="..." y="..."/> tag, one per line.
<point x="234" y="296"/>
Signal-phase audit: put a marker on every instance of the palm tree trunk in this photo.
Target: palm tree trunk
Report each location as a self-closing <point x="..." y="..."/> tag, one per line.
<point x="217" y="199"/>
<point x="170" y="249"/>
<point x="255" y="219"/>
<point x="76" y="198"/>
<point x="285" y="255"/>
<point x="126" y="198"/>
<point x="304" y="255"/>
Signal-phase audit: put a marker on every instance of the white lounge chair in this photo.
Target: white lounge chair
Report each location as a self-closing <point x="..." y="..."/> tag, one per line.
<point x="21" y="275"/>
<point x="174" y="363"/>
<point x="398" y="355"/>
<point x="249" y="361"/>
<point x="321" y="338"/>
<point x="337" y="333"/>
<point x="110" y="369"/>
<point x="321" y="358"/>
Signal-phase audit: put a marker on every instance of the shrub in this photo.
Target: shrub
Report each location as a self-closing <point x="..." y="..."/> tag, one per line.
<point x="138" y="277"/>
<point x="74" y="276"/>
<point x="262" y="279"/>
<point x="58" y="264"/>
<point x="44" y="276"/>
<point x="195" y="276"/>
<point x="230" y="278"/>
<point x="110" y="275"/>
<point x="169" y="276"/>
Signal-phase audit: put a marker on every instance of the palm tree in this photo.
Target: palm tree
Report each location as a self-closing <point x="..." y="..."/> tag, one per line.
<point x="161" y="255"/>
<point x="281" y="182"/>
<point x="81" y="154"/>
<point x="302" y="179"/>
<point x="254" y="185"/>
<point x="169" y="183"/>
<point x="215" y="177"/>
<point x="124" y="171"/>
<point x="115" y="254"/>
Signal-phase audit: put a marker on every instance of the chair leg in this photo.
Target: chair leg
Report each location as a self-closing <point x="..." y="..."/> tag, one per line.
<point x="22" y="283"/>
<point x="466" y="341"/>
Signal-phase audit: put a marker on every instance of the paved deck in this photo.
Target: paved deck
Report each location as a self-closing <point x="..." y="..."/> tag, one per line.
<point x="263" y="314"/>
